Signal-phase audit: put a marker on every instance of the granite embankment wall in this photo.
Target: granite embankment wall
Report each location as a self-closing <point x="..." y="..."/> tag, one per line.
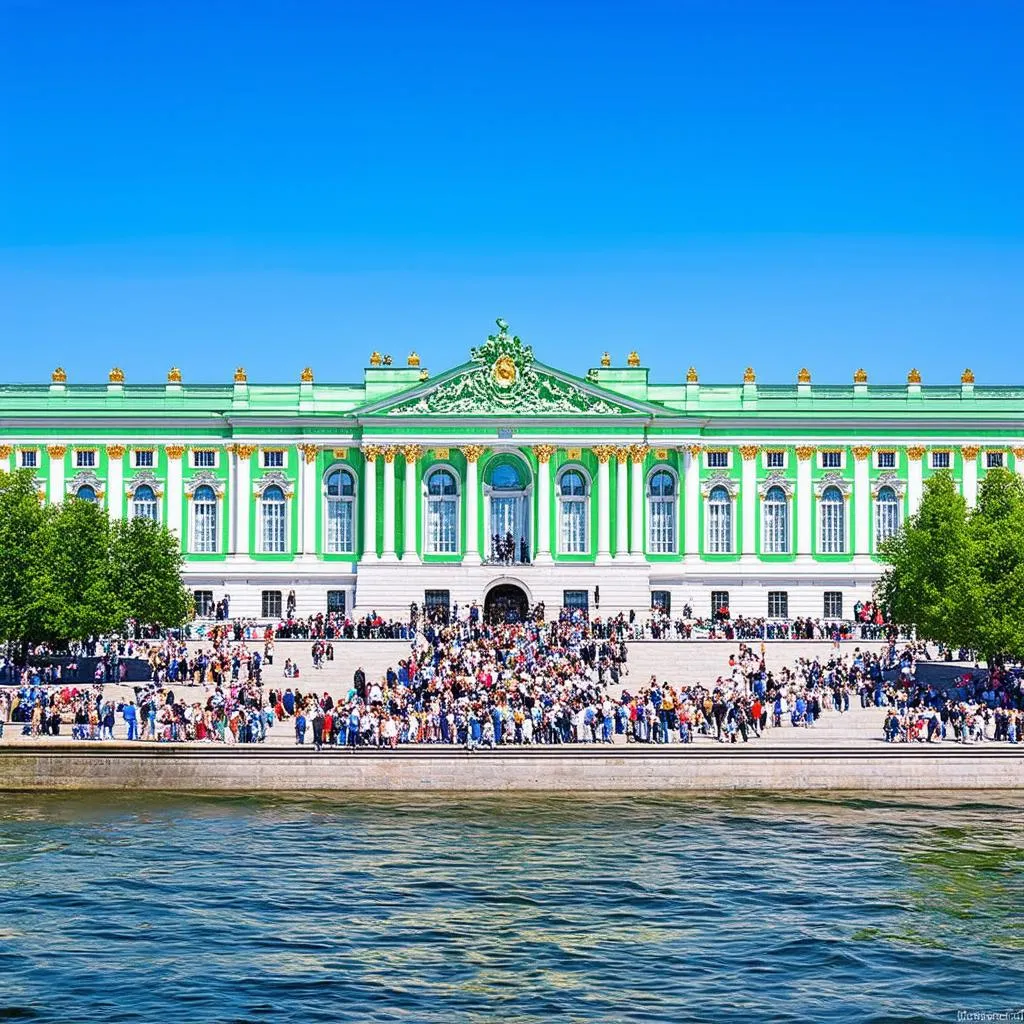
<point x="186" y="768"/>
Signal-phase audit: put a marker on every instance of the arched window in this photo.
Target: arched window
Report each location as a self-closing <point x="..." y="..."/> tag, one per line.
<point x="442" y="534"/>
<point x="833" y="522"/>
<point x="204" y="526"/>
<point x="86" y="493"/>
<point x="506" y="478"/>
<point x="341" y="493"/>
<point x="719" y="522"/>
<point x="572" y="513"/>
<point x="661" y="513"/>
<point x="887" y="514"/>
<point x="272" y="507"/>
<point x="775" y="522"/>
<point x="144" y="503"/>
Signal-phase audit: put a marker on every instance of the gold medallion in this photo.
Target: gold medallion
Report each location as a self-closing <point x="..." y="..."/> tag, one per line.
<point x="504" y="372"/>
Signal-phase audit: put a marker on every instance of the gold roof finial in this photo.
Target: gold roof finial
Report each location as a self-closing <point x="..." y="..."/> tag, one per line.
<point x="633" y="359"/>
<point x="691" y="375"/>
<point x="59" y="376"/>
<point x="804" y="376"/>
<point x="307" y="375"/>
<point x="413" y="360"/>
<point x="375" y="359"/>
<point x="174" y="375"/>
<point x="860" y="376"/>
<point x="749" y="377"/>
<point x="606" y="360"/>
<point x="914" y="377"/>
<point x="116" y="375"/>
<point x="240" y="375"/>
<point x="967" y="377"/>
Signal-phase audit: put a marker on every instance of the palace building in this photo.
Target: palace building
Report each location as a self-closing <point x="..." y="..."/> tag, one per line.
<point x="509" y="482"/>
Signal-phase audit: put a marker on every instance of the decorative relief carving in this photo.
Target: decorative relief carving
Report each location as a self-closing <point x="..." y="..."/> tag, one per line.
<point x="1018" y="453"/>
<point x="204" y="478"/>
<point x="442" y="453"/>
<point x="473" y="451"/>
<point x="888" y="480"/>
<point x="694" y="450"/>
<point x="389" y="451"/>
<point x="775" y="480"/>
<point x="574" y="453"/>
<point x="272" y="478"/>
<point x="833" y="480"/>
<point x="56" y="451"/>
<point x="144" y="478"/>
<point x="371" y="452"/>
<point x="661" y="454"/>
<point x="309" y="452"/>
<point x="604" y="452"/>
<point x="115" y="451"/>
<point x="720" y="480"/>
<point x="411" y="453"/>
<point x="861" y="452"/>
<point x="622" y="455"/>
<point x="915" y="451"/>
<point x="805" y="452"/>
<point x="174" y="451"/>
<point x="84" y="478"/>
<point x="638" y="452"/>
<point x="543" y="452"/>
<point x="970" y="451"/>
<point x="245" y="451"/>
<point x="749" y="451"/>
<point x="5" y="451"/>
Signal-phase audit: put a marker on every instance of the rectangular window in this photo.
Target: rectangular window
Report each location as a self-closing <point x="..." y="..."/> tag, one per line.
<point x="718" y="460"/>
<point x="832" y="460"/>
<point x="144" y="460"/>
<point x="29" y="459"/>
<point x="778" y="604"/>
<point x="940" y="460"/>
<point x="436" y="605"/>
<point x="720" y="604"/>
<point x="576" y="599"/>
<point x="661" y="601"/>
<point x="833" y="604"/>
<point x="204" y="603"/>
<point x="993" y="460"/>
<point x="271" y="604"/>
<point x="85" y="459"/>
<point x="336" y="601"/>
<point x="204" y="458"/>
<point x="273" y="459"/>
<point x="886" y="460"/>
<point x="775" y="460"/>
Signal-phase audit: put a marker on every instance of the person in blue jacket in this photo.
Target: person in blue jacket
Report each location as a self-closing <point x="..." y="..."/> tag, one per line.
<point x="131" y="718"/>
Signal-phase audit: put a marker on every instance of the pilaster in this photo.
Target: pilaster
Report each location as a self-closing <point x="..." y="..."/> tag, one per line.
<point x="542" y="540"/>
<point x="861" y="502"/>
<point x="748" y="499"/>
<point x="174" y="453"/>
<point x="472" y="453"/>
<point x="604" y="453"/>
<point x="621" y="503"/>
<point x="637" y="454"/>
<point x="411" y="453"/>
<point x="243" y="497"/>
<point x="308" y="498"/>
<point x="56" y="453"/>
<point x="969" y="453"/>
<point x="370" y="454"/>
<point x="691" y="500"/>
<point x="115" y="480"/>
<point x="804" y="503"/>
<point x="915" y="477"/>
<point x="388" y="552"/>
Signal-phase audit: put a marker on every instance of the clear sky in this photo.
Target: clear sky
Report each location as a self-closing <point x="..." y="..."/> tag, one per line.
<point x="716" y="182"/>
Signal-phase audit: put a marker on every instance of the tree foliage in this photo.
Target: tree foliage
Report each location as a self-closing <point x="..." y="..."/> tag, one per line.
<point x="957" y="574"/>
<point x="67" y="572"/>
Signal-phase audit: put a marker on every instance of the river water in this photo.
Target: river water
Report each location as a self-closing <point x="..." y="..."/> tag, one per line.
<point x="519" y="909"/>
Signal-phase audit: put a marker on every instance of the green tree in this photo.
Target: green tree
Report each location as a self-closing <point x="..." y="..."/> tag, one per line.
<point x="21" y="521"/>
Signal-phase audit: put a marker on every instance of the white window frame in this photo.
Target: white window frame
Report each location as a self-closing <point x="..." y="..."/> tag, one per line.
<point x="265" y="456"/>
<point x="824" y="595"/>
<point x="34" y="452"/>
<point x="895" y="459"/>
<point x="1002" y="458"/>
<point x="828" y="450"/>
<point x="776" y="451"/>
<point x="788" y="532"/>
<point x="844" y="531"/>
<point x="155" y="503"/>
<point x="194" y="457"/>
<point x="949" y="459"/>
<point x="429" y="541"/>
<point x="718" y="452"/>
<point x="561" y="501"/>
<point x="878" y="503"/>
<point x="352" y="502"/>
<point x="136" y="455"/>
<point x="91" y="463"/>
<point x="282" y="527"/>
<point x="672" y="540"/>
<point x="218" y="532"/>
<point x="785" y="600"/>
<point x="731" y="531"/>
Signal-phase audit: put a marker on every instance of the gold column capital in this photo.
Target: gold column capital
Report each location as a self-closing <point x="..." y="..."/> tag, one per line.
<point x="412" y="452"/>
<point x="604" y="452"/>
<point x="749" y="451"/>
<point x="861" y="452"/>
<point x="694" y="450"/>
<point x="372" y="452"/>
<point x="5" y="451"/>
<point x="245" y="451"/>
<point x="915" y="451"/>
<point x="56" y="451"/>
<point x="622" y="455"/>
<point x="638" y="452"/>
<point x="309" y="452"/>
<point x="970" y="451"/>
<point x="1018" y="453"/>
<point x="805" y="452"/>
<point x="389" y="451"/>
<point x="543" y="452"/>
<point x="473" y="451"/>
<point x="174" y="451"/>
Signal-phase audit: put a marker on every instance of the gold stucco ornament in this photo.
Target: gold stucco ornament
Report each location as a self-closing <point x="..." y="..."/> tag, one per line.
<point x="504" y="371"/>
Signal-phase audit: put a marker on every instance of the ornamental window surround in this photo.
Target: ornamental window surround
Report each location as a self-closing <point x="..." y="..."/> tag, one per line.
<point x="273" y="520"/>
<point x="573" y="511"/>
<point x="887" y="514"/>
<point x="441" y="519"/>
<point x="340" y="516"/>
<point x="204" y="520"/>
<point x="719" y="521"/>
<point x="775" y="521"/>
<point x="662" y="491"/>
<point x="144" y="503"/>
<point x="832" y="521"/>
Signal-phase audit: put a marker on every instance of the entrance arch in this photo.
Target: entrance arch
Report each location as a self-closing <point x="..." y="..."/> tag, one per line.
<point x="507" y="602"/>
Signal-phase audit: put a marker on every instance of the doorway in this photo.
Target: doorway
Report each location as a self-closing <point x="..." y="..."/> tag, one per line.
<point x="506" y="603"/>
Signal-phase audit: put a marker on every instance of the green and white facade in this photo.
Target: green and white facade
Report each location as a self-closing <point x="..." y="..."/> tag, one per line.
<point x="380" y="493"/>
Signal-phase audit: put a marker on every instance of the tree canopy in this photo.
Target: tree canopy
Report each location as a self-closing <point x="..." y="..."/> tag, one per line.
<point x="68" y="572"/>
<point x="957" y="574"/>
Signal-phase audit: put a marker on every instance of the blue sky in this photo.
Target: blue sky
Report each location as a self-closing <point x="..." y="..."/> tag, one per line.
<point x="717" y="183"/>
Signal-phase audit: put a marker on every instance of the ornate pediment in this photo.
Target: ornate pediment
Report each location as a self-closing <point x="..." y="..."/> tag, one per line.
<point x="833" y="480"/>
<point x="144" y="478"/>
<point x="84" y="478"/>
<point x="204" y="477"/>
<point x="776" y="480"/>
<point x="502" y="378"/>
<point x="888" y="480"/>
<point x="271" y="478"/>
<point x="720" y="480"/>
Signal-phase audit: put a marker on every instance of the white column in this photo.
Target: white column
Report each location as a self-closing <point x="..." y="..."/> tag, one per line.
<point x="636" y="483"/>
<point x="388" y="551"/>
<point x="861" y="502"/>
<point x="56" y="453"/>
<point x="748" y="498"/>
<point x="472" y="555"/>
<point x="174" y="489"/>
<point x="804" y="502"/>
<point x="412" y="453"/>
<point x="915" y="478"/>
<point x="232" y="495"/>
<point x="691" y="499"/>
<point x="309" y="497"/>
<point x="622" y="503"/>
<point x="970" y="456"/>
<point x="1018" y="461"/>
<point x="370" y="454"/>
<point x="115" y="480"/>
<point x="603" y="453"/>
<point x="542" y="539"/>
<point x="242" y="498"/>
